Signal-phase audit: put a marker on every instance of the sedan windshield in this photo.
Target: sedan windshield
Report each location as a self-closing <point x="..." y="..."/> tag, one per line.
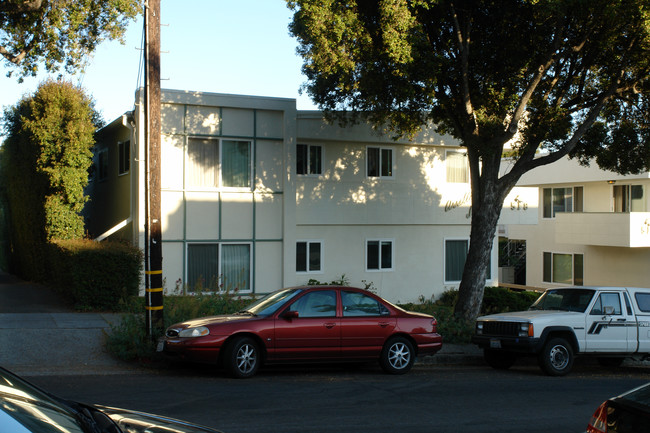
<point x="564" y="300"/>
<point x="270" y="303"/>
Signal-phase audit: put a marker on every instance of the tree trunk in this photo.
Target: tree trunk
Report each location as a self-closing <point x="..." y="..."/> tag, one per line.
<point x="486" y="209"/>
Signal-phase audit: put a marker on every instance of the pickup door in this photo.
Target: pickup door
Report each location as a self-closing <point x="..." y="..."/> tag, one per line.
<point x="611" y="325"/>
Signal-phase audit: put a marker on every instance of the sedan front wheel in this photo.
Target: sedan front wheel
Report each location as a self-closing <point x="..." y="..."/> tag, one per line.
<point x="398" y="356"/>
<point x="243" y="357"/>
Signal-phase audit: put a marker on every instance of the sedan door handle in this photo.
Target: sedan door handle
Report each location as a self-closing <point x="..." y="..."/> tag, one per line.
<point x="384" y="324"/>
<point x="329" y="325"/>
<point x="621" y="320"/>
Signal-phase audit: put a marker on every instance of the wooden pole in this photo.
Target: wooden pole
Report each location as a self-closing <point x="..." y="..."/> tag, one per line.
<point x="153" y="235"/>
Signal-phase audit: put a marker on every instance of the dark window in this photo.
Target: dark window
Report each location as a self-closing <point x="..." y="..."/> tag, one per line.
<point x="379" y="255"/>
<point x="357" y="304"/>
<point x="643" y="301"/>
<point x="309" y="159"/>
<point x="380" y="162"/>
<point x="308" y="256"/>
<point x="124" y="156"/>
<point x="102" y="165"/>
<point x="321" y="303"/>
<point x="612" y="300"/>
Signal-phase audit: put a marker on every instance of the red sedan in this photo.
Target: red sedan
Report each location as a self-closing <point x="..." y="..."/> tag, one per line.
<point x="302" y="324"/>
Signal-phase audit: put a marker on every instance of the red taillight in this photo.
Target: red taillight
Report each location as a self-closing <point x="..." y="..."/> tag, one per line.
<point x="434" y="324"/>
<point x="598" y="423"/>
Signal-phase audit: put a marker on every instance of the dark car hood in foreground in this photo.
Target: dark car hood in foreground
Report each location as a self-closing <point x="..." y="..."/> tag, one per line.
<point x="139" y="422"/>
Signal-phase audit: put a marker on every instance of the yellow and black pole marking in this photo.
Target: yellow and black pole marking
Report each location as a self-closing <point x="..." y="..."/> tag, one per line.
<point x="154" y="302"/>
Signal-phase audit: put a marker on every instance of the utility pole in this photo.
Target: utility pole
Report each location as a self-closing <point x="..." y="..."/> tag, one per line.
<point x="153" y="235"/>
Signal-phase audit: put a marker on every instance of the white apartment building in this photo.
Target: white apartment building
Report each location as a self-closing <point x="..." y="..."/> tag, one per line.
<point x="594" y="227"/>
<point x="258" y="196"/>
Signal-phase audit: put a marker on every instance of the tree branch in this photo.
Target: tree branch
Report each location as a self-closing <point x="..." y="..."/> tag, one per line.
<point x="463" y="42"/>
<point x="25" y="6"/>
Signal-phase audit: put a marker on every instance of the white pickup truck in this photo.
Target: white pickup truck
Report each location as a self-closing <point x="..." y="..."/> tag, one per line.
<point x="610" y="323"/>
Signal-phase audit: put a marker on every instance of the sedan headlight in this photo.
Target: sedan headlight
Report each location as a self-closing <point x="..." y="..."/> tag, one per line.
<point x="200" y="331"/>
<point x="479" y="328"/>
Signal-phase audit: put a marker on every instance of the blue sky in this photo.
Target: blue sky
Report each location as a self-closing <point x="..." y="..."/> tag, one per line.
<point x="221" y="46"/>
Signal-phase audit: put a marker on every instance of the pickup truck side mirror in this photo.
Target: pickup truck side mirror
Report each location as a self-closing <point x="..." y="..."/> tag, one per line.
<point x="608" y="310"/>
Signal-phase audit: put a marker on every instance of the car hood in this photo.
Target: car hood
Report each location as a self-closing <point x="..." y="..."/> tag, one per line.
<point x="140" y="422"/>
<point x="518" y="316"/>
<point x="213" y="320"/>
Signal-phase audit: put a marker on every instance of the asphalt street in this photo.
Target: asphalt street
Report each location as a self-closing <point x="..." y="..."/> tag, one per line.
<point x="338" y="399"/>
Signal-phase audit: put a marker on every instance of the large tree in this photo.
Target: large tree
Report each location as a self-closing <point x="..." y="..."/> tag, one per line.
<point x="44" y="169"/>
<point x="545" y="78"/>
<point x="59" y="33"/>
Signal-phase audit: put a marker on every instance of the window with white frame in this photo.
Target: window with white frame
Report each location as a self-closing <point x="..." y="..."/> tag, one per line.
<point x="379" y="254"/>
<point x="379" y="161"/>
<point x="309" y="159"/>
<point x="629" y="198"/>
<point x="214" y="163"/>
<point x="124" y="155"/>
<point x="457" y="168"/>
<point x="455" y="257"/>
<point x="219" y="267"/>
<point x="555" y="200"/>
<point x="308" y="256"/>
<point x="563" y="268"/>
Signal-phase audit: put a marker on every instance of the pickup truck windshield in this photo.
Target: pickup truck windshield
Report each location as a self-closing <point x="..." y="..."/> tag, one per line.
<point x="564" y="300"/>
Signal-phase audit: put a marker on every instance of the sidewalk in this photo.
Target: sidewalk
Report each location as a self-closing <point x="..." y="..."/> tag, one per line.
<point x="41" y="335"/>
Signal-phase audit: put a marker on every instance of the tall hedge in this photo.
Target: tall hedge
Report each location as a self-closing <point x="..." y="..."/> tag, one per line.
<point x="45" y="164"/>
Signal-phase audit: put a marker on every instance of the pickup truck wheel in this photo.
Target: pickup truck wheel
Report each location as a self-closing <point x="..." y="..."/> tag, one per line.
<point x="556" y="359"/>
<point x="499" y="359"/>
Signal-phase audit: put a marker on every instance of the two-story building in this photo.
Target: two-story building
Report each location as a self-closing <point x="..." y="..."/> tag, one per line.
<point x="257" y="196"/>
<point x="594" y="227"/>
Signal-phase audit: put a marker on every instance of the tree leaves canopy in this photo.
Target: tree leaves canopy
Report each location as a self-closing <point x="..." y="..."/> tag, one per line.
<point x="483" y="71"/>
<point x="59" y="33"/>
<point x="45" y="162"/>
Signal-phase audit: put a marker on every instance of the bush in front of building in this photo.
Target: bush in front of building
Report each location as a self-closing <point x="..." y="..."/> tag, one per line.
<point x="456" y="330"/>
<point x="129" y="341"/>
<point x="94" y="275"/>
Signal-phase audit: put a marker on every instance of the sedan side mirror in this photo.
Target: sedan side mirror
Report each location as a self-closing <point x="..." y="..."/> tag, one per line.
<point x="290" y="315"/>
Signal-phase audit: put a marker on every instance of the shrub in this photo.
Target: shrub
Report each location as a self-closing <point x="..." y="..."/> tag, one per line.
<point x="94" y="275"/>
<point x="129" y="341"/>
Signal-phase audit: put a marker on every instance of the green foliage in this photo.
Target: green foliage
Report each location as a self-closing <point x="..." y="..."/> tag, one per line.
<point x="45" y="163"/>
<point x="456" y="329"/>
<point x="128" y="340"/>
<point x="499" y="300"/>
<point x="343" y="281"/>
<point x="94" y="275"/>
<point x="59" y="34"/>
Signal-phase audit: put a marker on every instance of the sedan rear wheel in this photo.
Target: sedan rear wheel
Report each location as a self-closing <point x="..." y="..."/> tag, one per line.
<point x="398" y="356"/>
<point x="243" y="357"/>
